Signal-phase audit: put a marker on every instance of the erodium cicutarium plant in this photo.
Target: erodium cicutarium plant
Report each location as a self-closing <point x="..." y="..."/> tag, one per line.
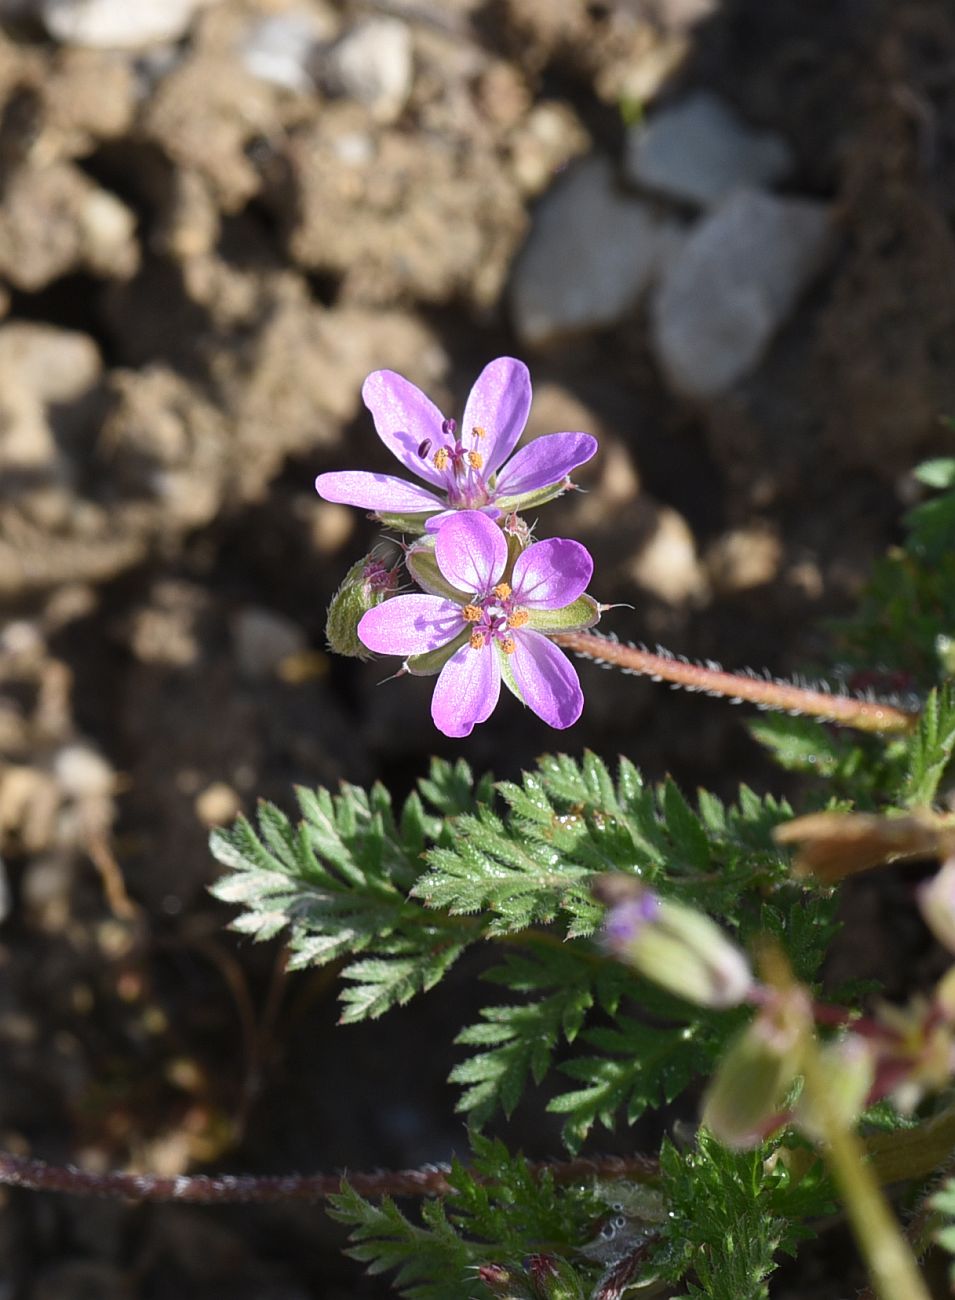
<point x="653" y="950"/>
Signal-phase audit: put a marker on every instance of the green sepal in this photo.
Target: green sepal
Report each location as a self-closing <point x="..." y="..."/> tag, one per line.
<point x="432" y="661"/>
<point x="579" y="614"/>
<point x="530" y="500"/>
<point x="413" y="524"/>
<point x="421" y="563"/>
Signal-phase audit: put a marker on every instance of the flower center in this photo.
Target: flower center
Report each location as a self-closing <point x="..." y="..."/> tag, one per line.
<point x="495" y="617"/>
<point x="458" y="458"/>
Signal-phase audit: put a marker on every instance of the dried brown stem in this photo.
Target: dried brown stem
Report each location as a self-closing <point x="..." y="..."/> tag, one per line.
<point x="432" y="1180"/>
<point x="764" y="692"/>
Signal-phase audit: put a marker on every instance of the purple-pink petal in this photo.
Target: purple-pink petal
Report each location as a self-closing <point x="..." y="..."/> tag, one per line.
<point x="546" y="679"/>
<point x="471" y="552"/>
<point x="410" y="625"/>
<point x="381" y="492"/>
<point x="466" y="691"/>
<point x="499" y="404"/>
<point x="543" y="462"/>
<point x="435" y="523"/>
<point x="404" y="418"/>
<point x="551" y="574"/>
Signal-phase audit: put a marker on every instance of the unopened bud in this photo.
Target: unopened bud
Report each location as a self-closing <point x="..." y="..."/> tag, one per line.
<point x="744" y="1102"/>
<point x="367" y="583"/>
<point x="676" y="946"/>
<point x="552" y="1278"/>
<point x="848" y="1071"/>
<point x="501" y="1281"/>
<point x="937" y="902"/>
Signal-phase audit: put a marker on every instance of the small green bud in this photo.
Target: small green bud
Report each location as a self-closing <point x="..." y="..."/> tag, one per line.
<point x="552" y="1278"/>
<point x="744" y="1102"/>
<point x="676" y="946"/>
<point x="848" y="1065"/>
<point x="503" y="1282"/>
<point x="367" y="583"/>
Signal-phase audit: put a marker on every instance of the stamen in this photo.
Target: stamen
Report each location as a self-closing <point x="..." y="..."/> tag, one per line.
<point x="508" y="645"/>
<point x="479" y="431"/>
<point x="475" y="459"/>
<point x="471" y="613"/>
<point x="476" y="640"/>
<point x="518" y="618"/>
<point x="441" y="458"/>
<point x="424" y="447"/>
<point x="502" y="591"/>
<point x="449" y="428"/>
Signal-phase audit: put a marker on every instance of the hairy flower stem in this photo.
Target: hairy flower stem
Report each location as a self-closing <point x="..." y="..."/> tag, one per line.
<point x="766" y="693"/>
<point x="891" y="1264"/>
<point x="432" y="1180"/>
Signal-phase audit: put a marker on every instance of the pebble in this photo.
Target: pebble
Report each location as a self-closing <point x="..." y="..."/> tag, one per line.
<point x="372" y="64"/>
<point x="731" y="287"/>
<point x="591" y="255"/>
<point x="698" y="151"/>
<point x="53" y="364"/>
<point x="118" y="24"/>
<point x="667" y="564"/>
<point x="263" y="639"/>
<point x="280" y="48"/>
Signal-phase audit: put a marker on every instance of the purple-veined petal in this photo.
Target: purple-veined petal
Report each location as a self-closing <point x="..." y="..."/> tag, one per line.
<point x="498" y="403"/>
<point x="410" y="625"/>
<point x="546" y="679"/>
<point x="543" y="462"/>
<point x="358" y="487"/>
<point x="466" y="691"/>
<point x="471" y="551"/>
<point x="551" y="574"/>
<point x="404" y="418"/>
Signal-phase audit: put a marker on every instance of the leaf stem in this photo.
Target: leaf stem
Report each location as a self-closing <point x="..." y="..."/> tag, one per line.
<point x="764" y="692"/>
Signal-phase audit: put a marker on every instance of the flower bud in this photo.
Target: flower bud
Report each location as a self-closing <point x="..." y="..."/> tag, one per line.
<point x="848" y="1068"/>
<point x="367" y="583"/>
<point x="501" y="1281"/>
<point x="676" y="946"/>
<point x="744" y="1101"/>
<point x="552" y="1278"/>
<point x="937" y="902"/>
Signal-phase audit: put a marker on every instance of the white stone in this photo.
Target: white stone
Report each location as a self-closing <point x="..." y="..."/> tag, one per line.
<point x="372" y="64"/>
<point x="732" y="285"/>
<point x="591" y="254"/>
<point x="55" y="365"/>
<point x="281" y="47"/>
<point x="118" y="24"/>
<point x="698" y="151"/>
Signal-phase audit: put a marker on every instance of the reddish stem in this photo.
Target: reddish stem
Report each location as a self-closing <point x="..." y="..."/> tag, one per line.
<point x="432" y="1180"/>
<point x="765" y="692"/>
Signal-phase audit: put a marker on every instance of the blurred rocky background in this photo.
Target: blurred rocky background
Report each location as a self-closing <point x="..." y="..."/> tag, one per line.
<point x="721" y="234"/>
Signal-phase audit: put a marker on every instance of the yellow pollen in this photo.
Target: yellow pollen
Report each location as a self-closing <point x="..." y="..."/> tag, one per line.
<point x="475" y="459"/>
<point x="508" y="645"/>
<point x="476" y="641"/>
<point x="502" y="590"/>
<point x="471" y="613"/>
<point x="441" y="458"/>
<point x="519" y="618"/>
<point x="479" y="431"/>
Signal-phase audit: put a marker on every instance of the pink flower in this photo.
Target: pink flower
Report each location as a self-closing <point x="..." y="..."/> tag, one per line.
<point x="464" y="469"/>
<point x="487" y="628"/>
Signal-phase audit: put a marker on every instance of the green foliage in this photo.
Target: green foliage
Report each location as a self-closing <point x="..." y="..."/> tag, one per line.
<point x="730" y="1214"/>
<point x="943" y="1203"/>
<point x="931" y="747"/>
<point x="497" y="1212"/>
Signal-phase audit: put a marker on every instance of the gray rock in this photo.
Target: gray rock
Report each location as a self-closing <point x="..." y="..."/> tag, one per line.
<point x="699" y="150"/>
<point x="118" y="24"/>
<point x="372" y="64"/>
<point x="263" y="639"/>
<point x="591" y="254"/>
<point x="281" y="48"/>
<point x="732" y="285"/>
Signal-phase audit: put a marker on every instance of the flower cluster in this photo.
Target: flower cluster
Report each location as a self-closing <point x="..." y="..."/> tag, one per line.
<point x="490" y="596"/>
